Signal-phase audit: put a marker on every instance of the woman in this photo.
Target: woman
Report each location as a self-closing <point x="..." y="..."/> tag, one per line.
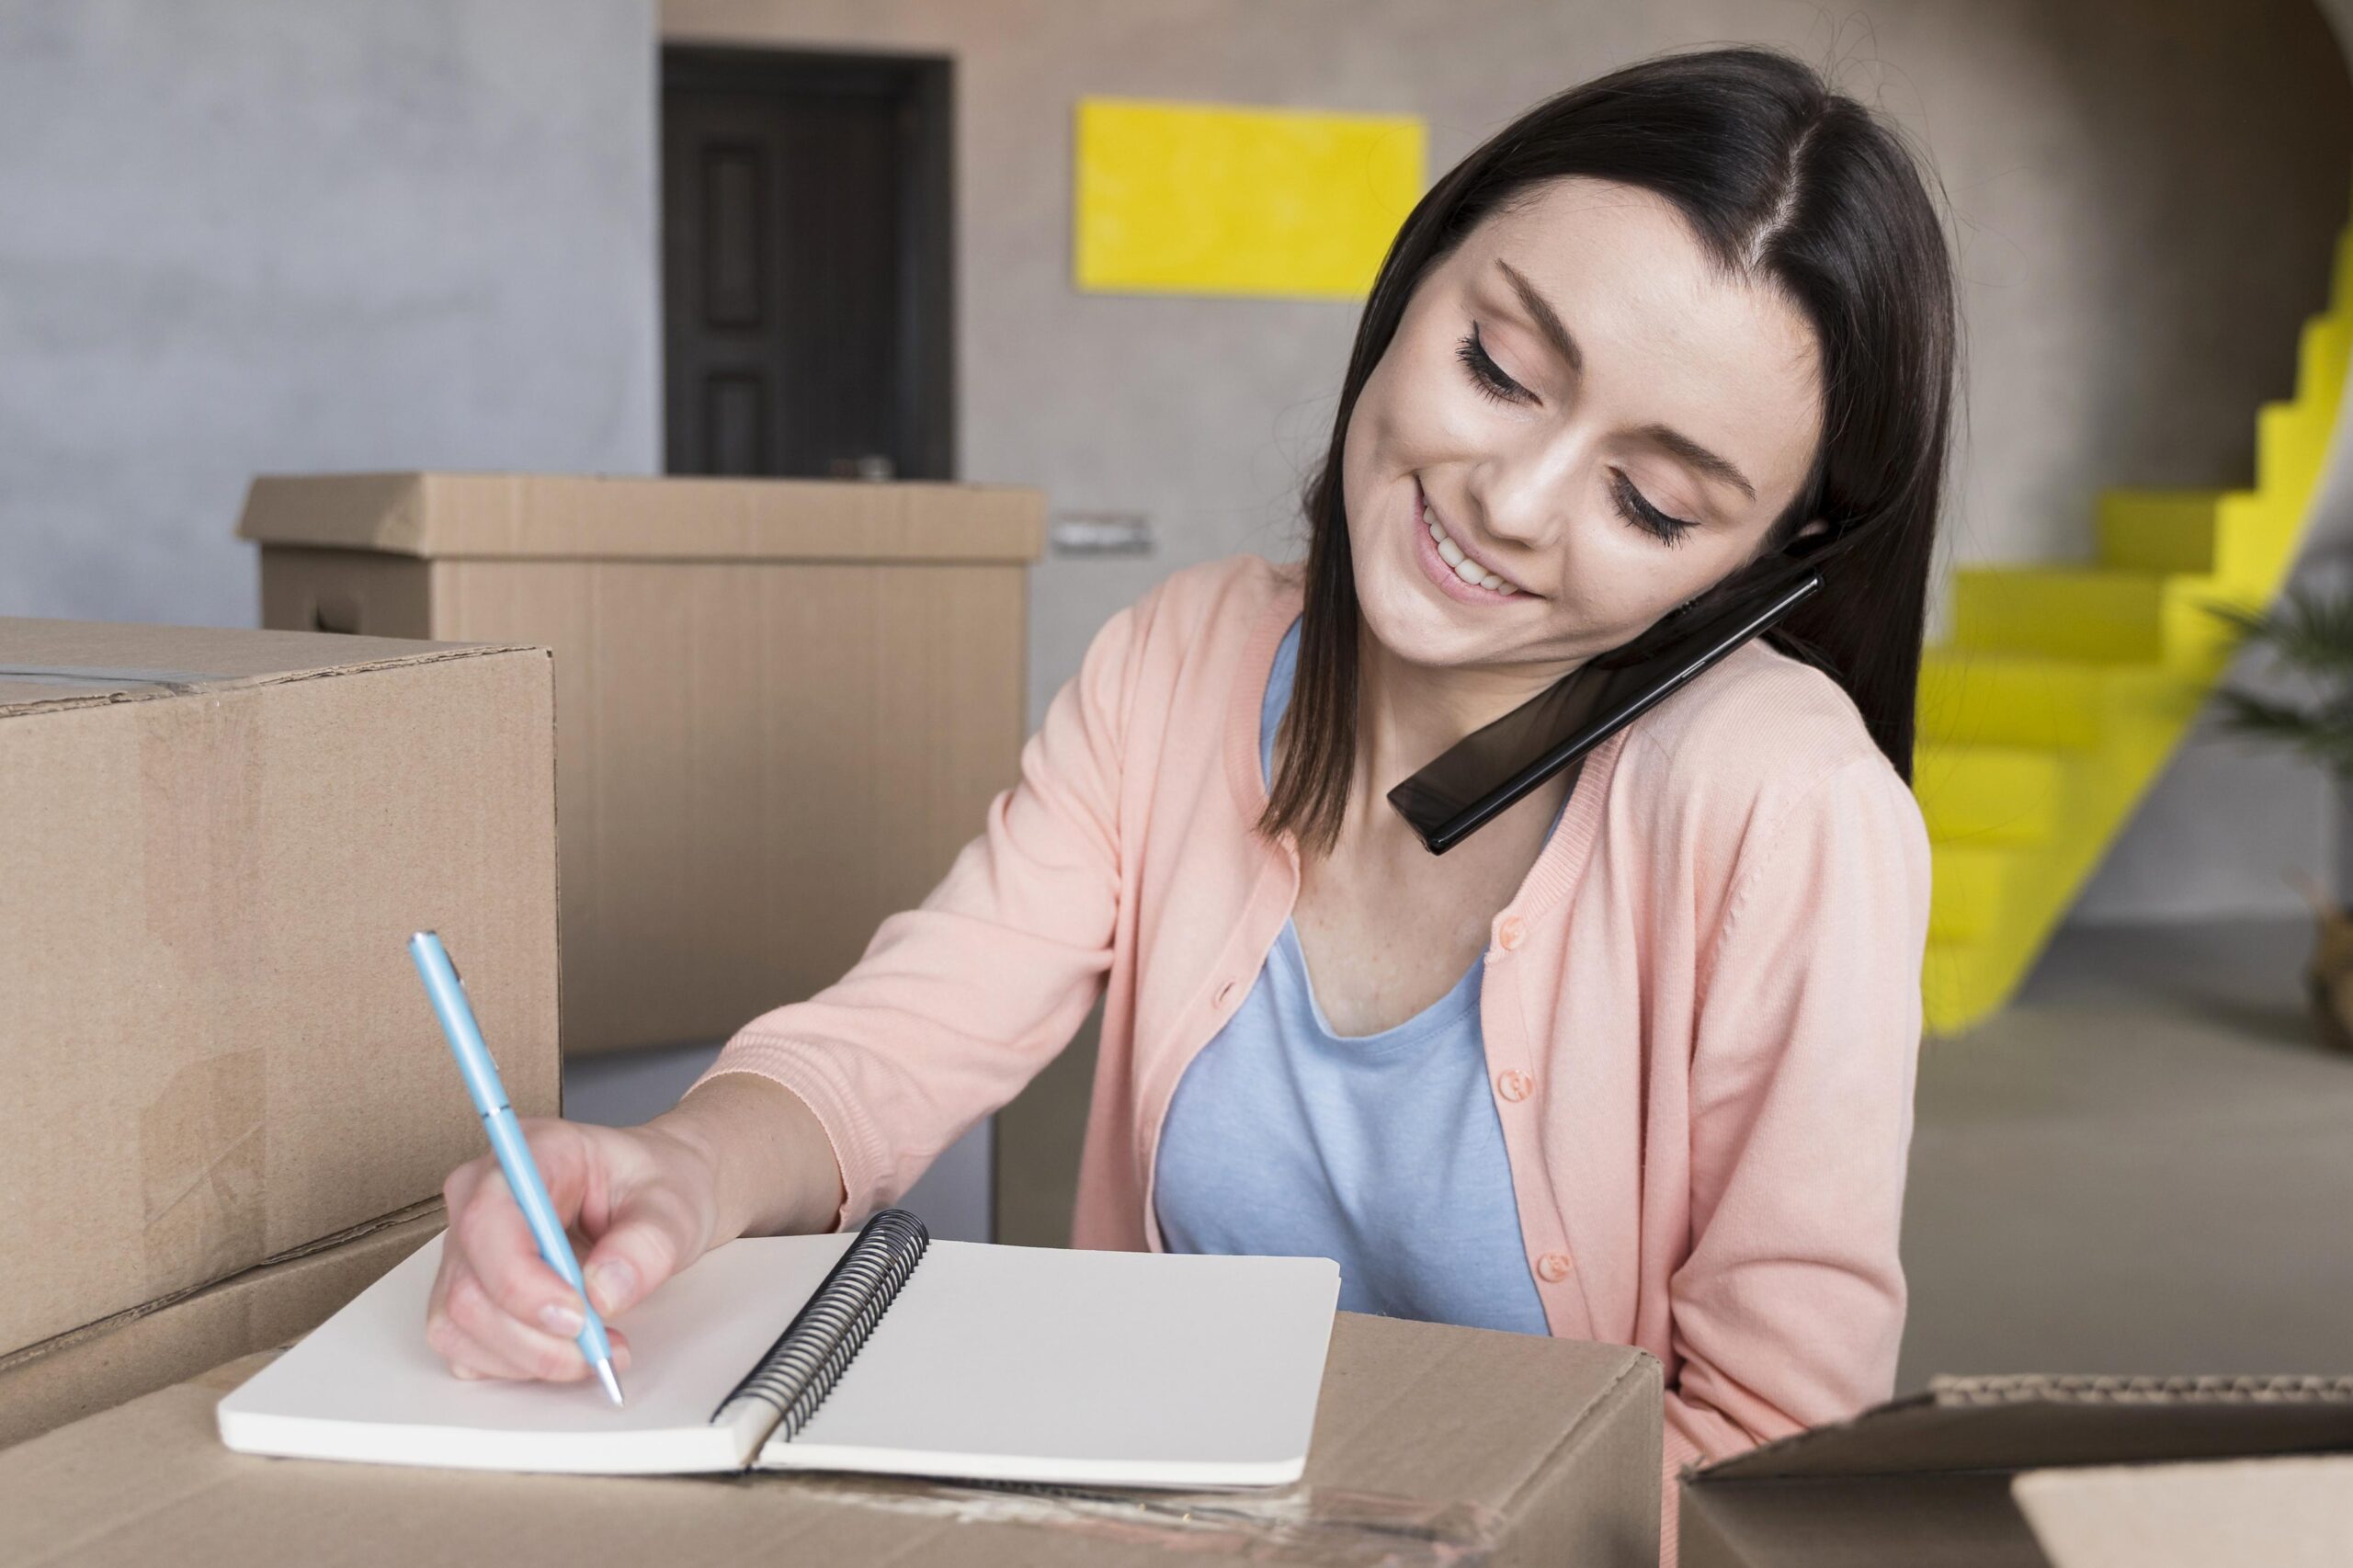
<point x="1634" y="1062"/>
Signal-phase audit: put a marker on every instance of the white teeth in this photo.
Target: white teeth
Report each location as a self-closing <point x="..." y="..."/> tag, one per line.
<point x="1462" y="565"/>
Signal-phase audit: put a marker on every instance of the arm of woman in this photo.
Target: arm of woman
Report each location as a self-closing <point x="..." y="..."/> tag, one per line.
<point x="958" y="1003"/>
<point x="1789" y="1310"/>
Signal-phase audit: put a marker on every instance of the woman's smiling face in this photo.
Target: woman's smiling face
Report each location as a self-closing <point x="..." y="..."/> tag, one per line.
<point x="1600" y="421"/>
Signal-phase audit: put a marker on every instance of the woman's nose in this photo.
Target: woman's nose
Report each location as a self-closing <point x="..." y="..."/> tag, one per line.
<point x="1523" y="492"/>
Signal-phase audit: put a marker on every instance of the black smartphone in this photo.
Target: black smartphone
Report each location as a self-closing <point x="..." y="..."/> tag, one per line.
<point x="1482" y="774"/>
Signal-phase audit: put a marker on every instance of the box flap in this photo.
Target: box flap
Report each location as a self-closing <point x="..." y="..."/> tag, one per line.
<point x="2282" y="1513"/>
<point x="49" y="665"/>
<point x="2037" y="1422"/>
<point x="1467" y="1416"/>
<point x="448" y="516"/>
<point x="1963" y="1521"/>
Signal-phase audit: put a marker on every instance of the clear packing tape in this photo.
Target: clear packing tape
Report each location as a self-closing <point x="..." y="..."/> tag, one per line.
<point x="1314" y="1525"/>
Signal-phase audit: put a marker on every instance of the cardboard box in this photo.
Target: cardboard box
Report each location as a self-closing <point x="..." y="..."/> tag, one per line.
<point x="2280" y="1513"/>
<point x="1936" y="1477"/>
<point x="100" y="1365"/>
<point x="216" y="845"/>
<point x="1433" y="1447"/>
<point x="782" y="706"/>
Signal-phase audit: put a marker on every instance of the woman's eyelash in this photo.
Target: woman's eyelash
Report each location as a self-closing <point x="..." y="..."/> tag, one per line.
<point x="1485" y="374"/>
<point x="1643" y="515"/>
<point x="1489" y="378"/>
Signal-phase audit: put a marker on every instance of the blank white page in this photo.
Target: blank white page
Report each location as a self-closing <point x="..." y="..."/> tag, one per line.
<point x="365" y="1385"/>
<point x="1003" y="1363"/>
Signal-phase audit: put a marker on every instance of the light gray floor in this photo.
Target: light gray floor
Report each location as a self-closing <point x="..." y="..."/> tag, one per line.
<point x="2143" y="1165"/>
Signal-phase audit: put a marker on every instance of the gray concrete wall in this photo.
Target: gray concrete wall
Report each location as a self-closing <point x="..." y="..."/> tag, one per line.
<point x="250" y="234"/>
<point x="241" y="236"/>
<point x="2143" y="194"/>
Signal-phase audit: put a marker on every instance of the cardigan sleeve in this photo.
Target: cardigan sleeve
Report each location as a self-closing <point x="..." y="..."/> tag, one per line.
<point x="1789" y="1309"/>
<point x="957" y="1004"/>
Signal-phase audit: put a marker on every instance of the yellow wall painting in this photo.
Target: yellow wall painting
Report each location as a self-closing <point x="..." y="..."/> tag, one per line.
<point x="1207" y="199"/>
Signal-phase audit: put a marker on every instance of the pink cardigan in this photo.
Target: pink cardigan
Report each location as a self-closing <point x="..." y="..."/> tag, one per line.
<point x="1701" y="1009"/>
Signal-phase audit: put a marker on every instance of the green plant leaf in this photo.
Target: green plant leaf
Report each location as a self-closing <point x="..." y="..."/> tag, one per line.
<point x="2309" y="630"/>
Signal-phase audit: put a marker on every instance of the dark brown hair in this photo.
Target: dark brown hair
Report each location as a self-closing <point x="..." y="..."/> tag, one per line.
<point x="1780" y="176"/>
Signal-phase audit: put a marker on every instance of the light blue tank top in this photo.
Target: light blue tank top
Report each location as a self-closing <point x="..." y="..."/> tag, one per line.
<point x="1382" y="1151"/>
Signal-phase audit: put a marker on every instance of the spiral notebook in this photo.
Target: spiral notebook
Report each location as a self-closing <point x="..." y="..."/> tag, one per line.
<point x="884" y="1351"/>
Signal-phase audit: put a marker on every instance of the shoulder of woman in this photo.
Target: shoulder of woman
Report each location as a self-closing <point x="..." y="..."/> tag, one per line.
<point x="1757" y="737"/>
<point x="1231" y="587"/>
<point x="1210" y="607"/>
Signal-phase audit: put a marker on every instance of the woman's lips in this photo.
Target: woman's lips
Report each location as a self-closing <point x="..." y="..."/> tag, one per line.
<point x="1448" y="581"/>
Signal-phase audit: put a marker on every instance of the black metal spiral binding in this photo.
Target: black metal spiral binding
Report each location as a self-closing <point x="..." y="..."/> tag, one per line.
<point x="816" y="1347"/>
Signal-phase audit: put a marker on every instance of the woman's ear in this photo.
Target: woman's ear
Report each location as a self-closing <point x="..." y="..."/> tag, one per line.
<point x="1817" y="527"/>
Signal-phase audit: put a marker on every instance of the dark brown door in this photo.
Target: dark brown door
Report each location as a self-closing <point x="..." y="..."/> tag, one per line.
<point x="805" y="219"/>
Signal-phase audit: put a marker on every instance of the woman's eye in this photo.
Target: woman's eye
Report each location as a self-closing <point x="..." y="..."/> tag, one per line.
<point x="1637" y="510"/>
<point x="1485" y="374"/>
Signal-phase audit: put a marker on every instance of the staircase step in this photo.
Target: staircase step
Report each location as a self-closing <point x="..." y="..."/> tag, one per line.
<point x="2290" y="445"/>
<point x="2241" y="537"/>
<point x="2095" y="613"/>
<point x="1959" y="981"/>
<point x="1993" y="795"/>
<point x="1972" y="697"/>
<point x="2255" y="535"/>
<point x="1970" y="887"/>
<point x="2159" y="530"/>
<point x="2324" y="353"/>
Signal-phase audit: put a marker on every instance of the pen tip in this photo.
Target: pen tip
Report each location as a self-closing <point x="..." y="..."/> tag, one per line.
<point x="612" y="1384"/>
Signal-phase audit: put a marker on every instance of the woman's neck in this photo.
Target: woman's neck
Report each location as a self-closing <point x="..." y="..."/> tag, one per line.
<point x="1408" y="715"/>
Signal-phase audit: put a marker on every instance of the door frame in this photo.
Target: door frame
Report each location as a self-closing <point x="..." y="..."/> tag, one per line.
<point x="924" y="87"/>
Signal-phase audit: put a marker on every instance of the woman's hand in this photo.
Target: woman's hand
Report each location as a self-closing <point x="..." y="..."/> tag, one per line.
<point x="740" y="1153"/>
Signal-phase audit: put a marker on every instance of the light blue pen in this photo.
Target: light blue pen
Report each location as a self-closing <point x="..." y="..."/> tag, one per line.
<point x="480" y="1073"/>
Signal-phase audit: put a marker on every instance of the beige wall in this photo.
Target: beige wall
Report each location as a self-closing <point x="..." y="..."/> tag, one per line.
<point x="2143" y="197"/>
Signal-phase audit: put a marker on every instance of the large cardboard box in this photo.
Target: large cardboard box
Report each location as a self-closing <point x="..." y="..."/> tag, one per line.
<point x="782" y="706"/>
<point x="1434" y="1447"/>
<point x="1938" y="1477"/>
<point x="216" y="846"/>
<point x="100" y="1365"/>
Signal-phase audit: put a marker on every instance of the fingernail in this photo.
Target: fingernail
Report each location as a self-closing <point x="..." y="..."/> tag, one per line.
<point x="466" y="1372"/>
<point x="611" y="1285"/>
<point x="561" y="1317"/>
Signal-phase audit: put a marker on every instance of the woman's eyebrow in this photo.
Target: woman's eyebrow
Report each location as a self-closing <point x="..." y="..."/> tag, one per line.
<point x="1679" y="445"/>
<point x="1676" y="443"/>
<point x="1548" y="320"/>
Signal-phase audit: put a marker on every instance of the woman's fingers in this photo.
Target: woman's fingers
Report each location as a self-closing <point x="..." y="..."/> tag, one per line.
<point x="503" y="1257"/>
<point x="505" y="1311"/>
<point x="466" y="1355"/>
<point x="531" y="1352"/>
<point x="464" y="1327"/>
<point x="640" y="1199"/>
<point x="651" y="1234"/>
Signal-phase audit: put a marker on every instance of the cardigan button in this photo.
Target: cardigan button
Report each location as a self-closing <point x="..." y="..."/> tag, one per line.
<point x="1509" y="933"/>
<point x="1514" y="1084"/>
<point x="1553" y="1268"/>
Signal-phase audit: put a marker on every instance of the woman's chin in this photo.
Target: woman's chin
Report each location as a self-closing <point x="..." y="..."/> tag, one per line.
<point x="1415" y="622"/>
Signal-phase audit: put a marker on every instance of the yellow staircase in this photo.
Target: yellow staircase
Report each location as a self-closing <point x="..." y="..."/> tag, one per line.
<point x="2065" y="688"/>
